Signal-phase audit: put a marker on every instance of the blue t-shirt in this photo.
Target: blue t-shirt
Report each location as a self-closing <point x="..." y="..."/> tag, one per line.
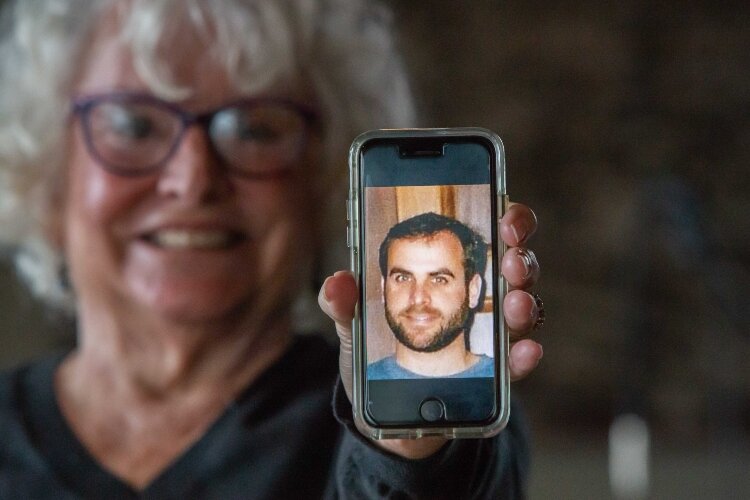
<point x="387" y="368"/>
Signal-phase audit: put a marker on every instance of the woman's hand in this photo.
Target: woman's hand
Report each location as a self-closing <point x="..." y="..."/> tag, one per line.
<point x="338" y="297"/>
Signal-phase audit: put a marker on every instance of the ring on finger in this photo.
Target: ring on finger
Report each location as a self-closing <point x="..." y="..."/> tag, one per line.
<point x="539" y="311"/>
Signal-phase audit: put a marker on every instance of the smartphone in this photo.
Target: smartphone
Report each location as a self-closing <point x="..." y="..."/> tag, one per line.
<point x="430" y="343"/>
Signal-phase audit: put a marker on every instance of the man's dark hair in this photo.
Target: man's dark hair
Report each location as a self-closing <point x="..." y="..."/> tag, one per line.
<point x="429" y="224"/>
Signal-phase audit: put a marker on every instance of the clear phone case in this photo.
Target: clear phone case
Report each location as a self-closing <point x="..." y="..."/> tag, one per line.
<point x="354" y="216"/>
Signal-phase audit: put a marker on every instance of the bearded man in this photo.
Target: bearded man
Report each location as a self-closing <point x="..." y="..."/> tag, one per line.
<point x="432" y="284"/>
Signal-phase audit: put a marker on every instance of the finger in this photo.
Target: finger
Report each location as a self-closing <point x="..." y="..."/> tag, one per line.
<point x="517" y="225"/>
<point x="524" y="357"/>
<point x="520" y="267"/>
<point x="338" y="297"/>
<point x="521" y="312"/>
<point x="412" y="448"/>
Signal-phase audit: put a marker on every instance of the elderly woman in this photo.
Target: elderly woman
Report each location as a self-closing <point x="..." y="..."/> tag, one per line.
<point x="163" y="167"/>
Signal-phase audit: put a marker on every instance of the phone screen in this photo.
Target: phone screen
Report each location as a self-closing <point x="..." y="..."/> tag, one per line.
<point x="430" y="309"/>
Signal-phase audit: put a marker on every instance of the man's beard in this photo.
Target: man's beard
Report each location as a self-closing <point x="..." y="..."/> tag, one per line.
<point x="447" y="334"/>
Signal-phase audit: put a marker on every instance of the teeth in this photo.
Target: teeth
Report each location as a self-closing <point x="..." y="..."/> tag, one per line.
<point x="179" y="238"/>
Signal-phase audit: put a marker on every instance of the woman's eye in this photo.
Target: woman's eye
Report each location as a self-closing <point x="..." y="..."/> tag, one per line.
<point x="131" y="125"/>
<point x="257" y="132"/>
<point x="236" y="125"/>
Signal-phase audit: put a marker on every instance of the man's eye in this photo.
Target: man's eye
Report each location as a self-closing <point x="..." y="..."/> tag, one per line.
<point x="401" y="278"/>
<point x="440" y="280"/>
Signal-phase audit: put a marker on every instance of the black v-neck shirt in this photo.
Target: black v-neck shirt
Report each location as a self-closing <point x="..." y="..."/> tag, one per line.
<point x="278" y="440"/>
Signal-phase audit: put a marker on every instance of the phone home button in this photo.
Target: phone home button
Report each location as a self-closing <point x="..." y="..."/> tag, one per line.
<point x="432" y="410"/>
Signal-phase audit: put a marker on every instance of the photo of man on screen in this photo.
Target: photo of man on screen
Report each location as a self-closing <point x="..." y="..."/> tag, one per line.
<point x="432" y="269"/>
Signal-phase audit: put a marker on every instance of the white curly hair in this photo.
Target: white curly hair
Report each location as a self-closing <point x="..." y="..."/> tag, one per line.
<point x="342" y="49"/>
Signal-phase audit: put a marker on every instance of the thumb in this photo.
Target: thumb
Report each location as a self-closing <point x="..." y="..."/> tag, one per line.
<point x="338" y="298"/>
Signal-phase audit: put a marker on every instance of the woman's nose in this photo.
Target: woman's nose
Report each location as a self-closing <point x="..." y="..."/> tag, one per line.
<point x="195" y="172"/>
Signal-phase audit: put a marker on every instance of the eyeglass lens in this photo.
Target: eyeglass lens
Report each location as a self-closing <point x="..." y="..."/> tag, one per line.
<point x="254" y="138"/>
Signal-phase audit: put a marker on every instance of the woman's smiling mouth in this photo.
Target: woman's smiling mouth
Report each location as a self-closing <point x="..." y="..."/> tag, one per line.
<point x="194" y="239"/>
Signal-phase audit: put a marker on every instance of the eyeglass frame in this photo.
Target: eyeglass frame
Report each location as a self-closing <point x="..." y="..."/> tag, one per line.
<point x="81" y="105"/>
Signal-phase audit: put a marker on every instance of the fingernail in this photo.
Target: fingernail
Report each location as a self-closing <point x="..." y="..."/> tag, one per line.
<point x="323" y="290"/>
<point x="519" y="232"/>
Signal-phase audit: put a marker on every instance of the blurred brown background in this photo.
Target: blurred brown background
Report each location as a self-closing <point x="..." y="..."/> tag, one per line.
<point x="626" y="126"/>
